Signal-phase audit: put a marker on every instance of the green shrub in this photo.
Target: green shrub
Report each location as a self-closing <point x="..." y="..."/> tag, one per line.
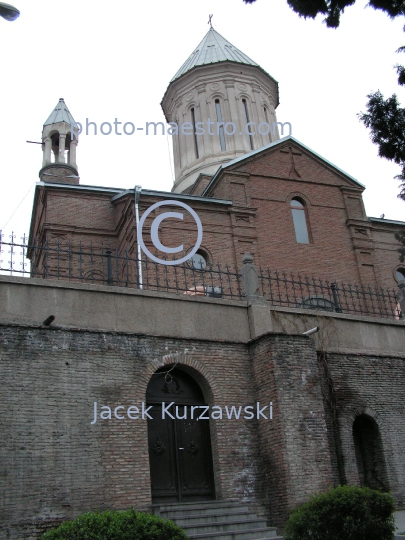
<point x="115" y="525"/>
<point x="344" y="513"/>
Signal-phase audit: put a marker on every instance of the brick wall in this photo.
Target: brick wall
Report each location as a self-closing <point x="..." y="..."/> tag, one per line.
<point x="55" y="465"/>
<point x="372" y="385"/>
<point x="345" y="245"/>
<point x="294" y="447"/>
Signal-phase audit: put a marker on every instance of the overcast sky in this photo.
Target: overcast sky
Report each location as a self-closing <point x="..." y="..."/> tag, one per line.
<point x="113" y="60"/>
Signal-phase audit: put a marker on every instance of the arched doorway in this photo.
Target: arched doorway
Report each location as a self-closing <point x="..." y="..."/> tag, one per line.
<point x="179" y="448"/>
<point x="369" y="453"/>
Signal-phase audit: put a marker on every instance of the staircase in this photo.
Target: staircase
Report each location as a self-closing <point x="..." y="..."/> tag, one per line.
<point x="217" y="520"/>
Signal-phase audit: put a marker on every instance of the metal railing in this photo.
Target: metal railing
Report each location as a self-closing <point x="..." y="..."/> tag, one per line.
<point x="105" y="266"/>
<point x="289" y="290"/>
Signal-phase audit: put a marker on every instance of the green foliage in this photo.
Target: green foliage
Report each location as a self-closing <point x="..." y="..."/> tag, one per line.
<point x="401" y="238"/>
<point x="114" y="525"/>
<point x="386" y="120"/>
<point x="333" y="9"/>
<point x="349" y="513"/>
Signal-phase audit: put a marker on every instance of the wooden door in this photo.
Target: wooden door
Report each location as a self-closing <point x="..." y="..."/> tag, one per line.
<point x="179" y="449"/>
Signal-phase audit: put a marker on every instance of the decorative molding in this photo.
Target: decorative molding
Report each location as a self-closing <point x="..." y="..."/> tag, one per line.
<point x="158" y="448"/>
<point x="193" y="449"/>
<point x="293" y="170"/>
<point x="361" y="231"/>
<point x="242" y="217"/>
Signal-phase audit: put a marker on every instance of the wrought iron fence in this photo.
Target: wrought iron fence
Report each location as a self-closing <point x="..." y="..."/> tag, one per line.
<point x="289" y="290"/>
<point x="105" y="266"/>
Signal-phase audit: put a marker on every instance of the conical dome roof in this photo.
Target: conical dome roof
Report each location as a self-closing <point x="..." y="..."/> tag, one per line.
<point x="60" y="114"/>
<point x="212" y="49"/>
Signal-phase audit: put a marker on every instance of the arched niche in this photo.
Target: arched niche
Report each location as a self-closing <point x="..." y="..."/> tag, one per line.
<point x="369" y="453"/>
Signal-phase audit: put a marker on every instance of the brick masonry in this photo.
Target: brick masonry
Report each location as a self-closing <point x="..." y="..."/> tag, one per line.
<point x="56" y="465"/>
<point x="344" y="244"/>
<point x="294" y="448"/>
<point x="371" y="385"/>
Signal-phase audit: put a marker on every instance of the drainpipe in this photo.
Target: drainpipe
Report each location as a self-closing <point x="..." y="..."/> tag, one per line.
<point x="137" y="192"/>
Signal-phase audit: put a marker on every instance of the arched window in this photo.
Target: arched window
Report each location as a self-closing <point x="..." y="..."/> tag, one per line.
<point x="300" y="220"/>
<point x="267" y="122"/>
<point x="199" y="260"/>
<point x="220" y="125"/>
<point x="197" y="155"/>
<point x="247" y="121"/>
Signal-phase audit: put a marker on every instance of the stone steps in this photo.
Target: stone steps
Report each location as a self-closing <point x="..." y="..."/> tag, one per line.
<point x="217" y="520"/>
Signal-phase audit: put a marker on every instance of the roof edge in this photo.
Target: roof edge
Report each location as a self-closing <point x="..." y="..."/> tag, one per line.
<point x="170" y="195"/>
<point x="274" y="144"/>
<point x="389" y="221"/>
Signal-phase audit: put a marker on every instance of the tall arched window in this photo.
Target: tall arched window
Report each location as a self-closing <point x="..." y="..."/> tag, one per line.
<point x="220" y="125"/>
<point x="300" y="220"/>
<point x="194" y="133"/>
<point x="245" y="110"/>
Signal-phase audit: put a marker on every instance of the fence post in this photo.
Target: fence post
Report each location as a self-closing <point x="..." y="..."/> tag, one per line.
<point x="401" y="298"/>
<point x="250" y="281"/>
<point x="338" y="309"/>
<point x="259" y="315"/>
<point x="109" y="267"/>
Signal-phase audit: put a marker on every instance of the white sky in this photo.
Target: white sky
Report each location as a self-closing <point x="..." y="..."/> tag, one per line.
<point x="114" y="59"/>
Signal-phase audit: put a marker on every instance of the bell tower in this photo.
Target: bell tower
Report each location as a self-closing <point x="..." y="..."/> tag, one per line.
<point x="224" y="106"/>
<point x="59" y="143"/>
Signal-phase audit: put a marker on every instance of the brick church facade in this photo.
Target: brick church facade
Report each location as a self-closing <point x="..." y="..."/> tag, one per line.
<point x="232" y="332"/>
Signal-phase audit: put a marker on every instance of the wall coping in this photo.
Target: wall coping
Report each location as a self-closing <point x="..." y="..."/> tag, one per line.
<point x="111" y="289"/>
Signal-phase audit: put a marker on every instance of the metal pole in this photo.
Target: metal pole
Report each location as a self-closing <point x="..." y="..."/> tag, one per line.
<point x="137" y="192"/>
<point x="338" y="309"/>
<point x="109" y="268"/>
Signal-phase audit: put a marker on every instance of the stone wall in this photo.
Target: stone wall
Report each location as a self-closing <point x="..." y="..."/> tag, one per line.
<point x="294" y="447"/>
<point x="57" y="465"/>
<point x="104" y="346"/>
<point x="372" y="385"/>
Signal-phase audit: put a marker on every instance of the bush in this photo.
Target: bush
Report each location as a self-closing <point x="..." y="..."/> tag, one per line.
<point x="344" y="513"/>
<point x="115" y="525"/>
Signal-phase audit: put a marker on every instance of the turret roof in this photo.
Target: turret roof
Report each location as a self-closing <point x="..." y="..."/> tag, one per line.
<point x="60" y="114"/>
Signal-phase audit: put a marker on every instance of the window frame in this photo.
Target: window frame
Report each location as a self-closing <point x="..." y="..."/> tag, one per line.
<point x="197" y="153"/>
<point x="303" y="208"/>
<point x="247" y="120"/>
<point x="220" y="125"/>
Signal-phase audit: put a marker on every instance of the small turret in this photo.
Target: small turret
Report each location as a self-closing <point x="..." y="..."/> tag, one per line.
<point x="59" y="142"/>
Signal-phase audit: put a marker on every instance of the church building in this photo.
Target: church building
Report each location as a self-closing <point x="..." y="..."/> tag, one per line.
<point x="256" y="360"/>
